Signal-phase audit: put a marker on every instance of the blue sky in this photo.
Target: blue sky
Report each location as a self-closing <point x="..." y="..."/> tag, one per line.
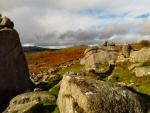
<point x="72" y="22"/>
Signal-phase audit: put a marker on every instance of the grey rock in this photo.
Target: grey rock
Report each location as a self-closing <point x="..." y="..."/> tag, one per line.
<point x="45" y="78"/>
<point x="13" y="67"/>
<point x="37" y="89"/>
<point x="0" y="18"/>
<point x="78" y="95"/>
<point x="96" y="57"/>
<point x="52" y="70"/>
<point x="6" y="22"/>
<point x="142" y="71"/>
<point x="133" y="66"/>
<point x="140" y="56"/>
<point x="121" y="59"/>
<point x="126" y="50"/>
<point x="25" y="103"/>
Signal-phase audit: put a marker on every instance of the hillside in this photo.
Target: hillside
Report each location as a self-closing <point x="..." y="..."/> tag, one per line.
<point x="36" y="49"/>
<point x="41" y="61"/>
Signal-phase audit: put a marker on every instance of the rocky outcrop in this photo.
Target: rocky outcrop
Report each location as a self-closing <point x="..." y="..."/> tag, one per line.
<point x="140" y="62"/>
<point x="31" y="102"/>
<point x="45" y="80"/>
<point x="122" y="59"/>
<point x="140" y="56"/>
<point x="99" y="58"/>
<point x="126" y="50"/>
<point x="78" y="95"/>
<point x="13" y="67"/>
<point x="142" y="71"/>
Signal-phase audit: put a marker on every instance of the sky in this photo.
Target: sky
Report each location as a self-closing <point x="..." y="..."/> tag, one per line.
<point x="76" y="22"/>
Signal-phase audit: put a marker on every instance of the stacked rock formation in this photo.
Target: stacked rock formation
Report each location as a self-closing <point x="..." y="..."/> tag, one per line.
<point x="13" y="67"/>
<point x="141" y="62"/>
<point x="140" y="56"/>
<point x="126" y="50"/>
<point x="5" y="22"/>
<point x="100" y="58"/>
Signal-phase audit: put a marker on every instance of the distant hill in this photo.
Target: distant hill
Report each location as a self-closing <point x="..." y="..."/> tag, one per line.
<point x="36" y="49"/>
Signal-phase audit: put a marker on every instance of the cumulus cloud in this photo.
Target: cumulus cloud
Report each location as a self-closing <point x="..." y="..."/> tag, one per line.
<point x="83" y="36"/>
<point x="128" y="38"/>
<point x="69" y="38"/>
<point x="62" y="20"/>
<point x="71" y="22"/>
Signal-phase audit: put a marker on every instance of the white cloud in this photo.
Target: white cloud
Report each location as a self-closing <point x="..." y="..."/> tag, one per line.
<point x="49" y="21"/>
<point x="128" y="38"/>
<point x="62" y="21"/>
<point x="24" y="22"/>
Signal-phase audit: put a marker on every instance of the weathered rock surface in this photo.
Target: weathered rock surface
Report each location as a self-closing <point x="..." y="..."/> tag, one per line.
<point x="140" y="56"/>
<point x="44" y="80"/>
<point x="78" y="95"/>
<point x="29" y="102"/>
<point x="0" y="18"/>
<point x="122" y="59"/>
<point x="142" y="71"/>
<point x="96" y="57"/>
<point x="126" y="50"/>
<point x="13" y="67"/>
<point x="5" y="22"/>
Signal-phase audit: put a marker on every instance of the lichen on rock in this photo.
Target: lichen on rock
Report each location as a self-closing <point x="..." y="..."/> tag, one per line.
<point x="78" y="95"/>
<point x="28" y="102"/>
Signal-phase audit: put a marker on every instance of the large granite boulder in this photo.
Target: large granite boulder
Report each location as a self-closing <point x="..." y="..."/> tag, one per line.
<point x="78" y="95"/>
<point x="140" y="56"/>
<point x="32" y="102"/>
<point x="99" y="58"/>
<point x="142" y="71"/>
<point x="13" y="67"/>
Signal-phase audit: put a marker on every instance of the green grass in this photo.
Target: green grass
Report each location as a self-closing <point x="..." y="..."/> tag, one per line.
<point x="51" y="81"/>
<point x="92" y="75"/>
<point x="56" y="110"/>
<point x="49" y="103"/>
<point x="75" y="69"/>
<point x="142" y="84"/>
<point x="144" y="89"/>
<point x="124" y="75"/>
<point x="55" y="90"/>
<point x="74" y="48"/>
<point x="120" y="74"/>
